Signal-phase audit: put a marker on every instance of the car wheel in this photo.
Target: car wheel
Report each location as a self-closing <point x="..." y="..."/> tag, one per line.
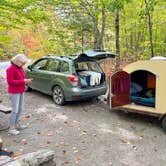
<point x="27" y="88"/>
<point x="164" y="123"/>
<point x="93" y="99"/>
<point x="58" y="95"/>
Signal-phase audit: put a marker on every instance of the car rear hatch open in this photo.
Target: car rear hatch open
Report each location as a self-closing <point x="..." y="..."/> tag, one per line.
<point x="94" y="55"/>
<point x="88" y="71"/>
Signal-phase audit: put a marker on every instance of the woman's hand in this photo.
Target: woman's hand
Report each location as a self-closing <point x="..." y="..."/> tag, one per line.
<point x="28" y="80"/>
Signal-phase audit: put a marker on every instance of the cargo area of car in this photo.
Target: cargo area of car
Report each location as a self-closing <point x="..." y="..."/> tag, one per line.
<point x="90" y="74"/>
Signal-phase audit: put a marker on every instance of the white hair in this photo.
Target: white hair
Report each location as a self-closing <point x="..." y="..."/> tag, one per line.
<point x="19" y="59"/>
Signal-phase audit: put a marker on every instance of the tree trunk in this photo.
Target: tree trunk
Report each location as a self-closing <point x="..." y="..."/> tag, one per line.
<point x="96" y="33"/>
<point x="99" y="34"/>
<point x="125" y="31"/>
<point x="138" y="40"/>
<point x="102" y="29"/>
<point x="117" y="40"/>
<point x="131" y="40"/>
<point x="150" y="34"/>
<point x="150" y="30"/>
<point x="82" y="38"/>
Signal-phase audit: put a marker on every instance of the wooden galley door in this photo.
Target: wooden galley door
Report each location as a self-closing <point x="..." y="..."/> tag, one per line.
<point x="119" y="89"/>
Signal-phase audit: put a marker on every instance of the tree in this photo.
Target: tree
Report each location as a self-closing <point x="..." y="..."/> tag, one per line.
<point x="116" y="7"/>
<point x="147" y="12"/>
<point x="15" y="15"/>
<point x="67" y="27"/>
<point x="91" y="11"/>
<point x="117" y="39"/>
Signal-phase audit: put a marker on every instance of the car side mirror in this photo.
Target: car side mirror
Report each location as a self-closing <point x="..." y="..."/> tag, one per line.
<point x="30" y="67"/>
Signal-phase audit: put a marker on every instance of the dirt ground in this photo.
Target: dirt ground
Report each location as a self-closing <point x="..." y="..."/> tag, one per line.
<point x="86" y="133"/>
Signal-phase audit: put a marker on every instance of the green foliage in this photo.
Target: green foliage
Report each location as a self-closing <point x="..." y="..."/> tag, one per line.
<point x="113" y="5"/>
<point x="4" y="39"/>
<point x="148" y="8"/>
<point x="66" y="27"/>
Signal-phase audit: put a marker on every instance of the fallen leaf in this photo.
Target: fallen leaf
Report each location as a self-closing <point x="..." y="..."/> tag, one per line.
<point x="110" y="163"/>
<point x="64" y="151"/>
<point x="15" y="155"/>
<point x="83" y="133"/>
<point x="75" y="151"/>
<point x="67" y="161"/>
<point x="76" y="162"/>
<point x="134" y="147"/>
<point x="125" y="141"/>
<point x="49" y="134"/>
<point x="24" y="141"/>
<point x="27" y="116"/>
<point x="48" y="143"/>
<point x="57" y="145"/>
<point x="78" y="158"/>
<point x="74" y="121"/>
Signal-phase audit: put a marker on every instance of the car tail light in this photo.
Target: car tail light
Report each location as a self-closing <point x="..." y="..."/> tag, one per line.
<point x="73" y="79"/>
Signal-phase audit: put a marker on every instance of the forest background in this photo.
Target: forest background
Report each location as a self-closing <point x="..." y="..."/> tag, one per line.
<point x="133" y="29"/>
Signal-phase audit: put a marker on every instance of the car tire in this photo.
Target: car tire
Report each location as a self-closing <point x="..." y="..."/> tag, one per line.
<point x="164" y="123"/>
<point x="27" y="88"/>
<point x="58" y="95"/>
<point x="93" y="99"/>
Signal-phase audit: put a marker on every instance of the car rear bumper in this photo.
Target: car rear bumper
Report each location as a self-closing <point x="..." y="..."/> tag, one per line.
<point x="77" y="93"/>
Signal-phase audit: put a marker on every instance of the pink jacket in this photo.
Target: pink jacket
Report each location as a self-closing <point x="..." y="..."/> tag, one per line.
<point x="15" y="79"/>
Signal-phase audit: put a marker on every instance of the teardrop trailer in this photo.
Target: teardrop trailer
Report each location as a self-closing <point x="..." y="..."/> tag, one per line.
<point x="140" y="87"/>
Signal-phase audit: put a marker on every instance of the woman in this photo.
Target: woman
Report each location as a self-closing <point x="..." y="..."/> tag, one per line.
<point x="16" y="87"/>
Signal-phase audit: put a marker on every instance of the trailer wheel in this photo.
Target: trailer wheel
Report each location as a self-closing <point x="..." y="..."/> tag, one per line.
<point x="164" y="123"/>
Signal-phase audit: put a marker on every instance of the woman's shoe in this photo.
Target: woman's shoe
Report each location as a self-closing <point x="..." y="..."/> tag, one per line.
<point x="21" y="127"/>
<point x="13" y="131"/>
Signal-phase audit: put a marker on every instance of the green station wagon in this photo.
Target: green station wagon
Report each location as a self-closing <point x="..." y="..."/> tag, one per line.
<point x="69" y="79"/>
